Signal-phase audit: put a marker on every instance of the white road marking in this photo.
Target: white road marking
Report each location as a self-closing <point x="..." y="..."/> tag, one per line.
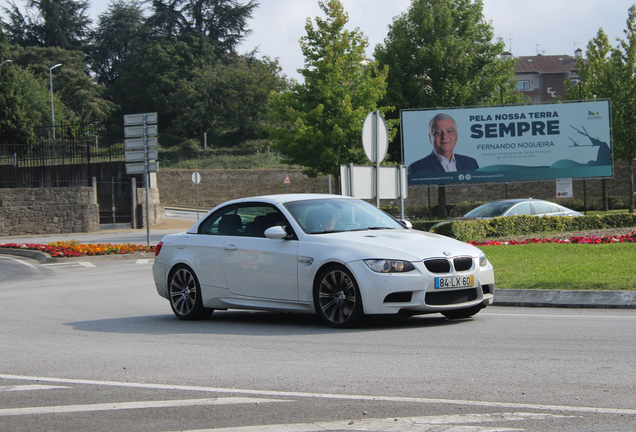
<point x="69" y="264"/>
<point x="629" y="317"/>
<point x="30" y="387"/>
<point x="19" y="262"/>
<point x="133" y="405"/>
<point x="142" y="261"/>
<point x="513" y="405"/>
<point x="415" y="424"/>
<point x="87" y="264"/>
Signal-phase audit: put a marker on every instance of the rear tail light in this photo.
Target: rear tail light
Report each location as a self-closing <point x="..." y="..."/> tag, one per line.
<point x="158" y="248"/>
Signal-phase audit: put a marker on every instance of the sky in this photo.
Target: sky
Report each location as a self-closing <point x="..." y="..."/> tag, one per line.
<point x="550" y="27"/>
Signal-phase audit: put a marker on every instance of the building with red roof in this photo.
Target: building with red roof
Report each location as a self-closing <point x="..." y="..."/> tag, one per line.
<point x="542" y="78"/>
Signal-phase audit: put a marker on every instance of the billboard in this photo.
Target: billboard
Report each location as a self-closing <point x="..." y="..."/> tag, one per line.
<point x="508" y="143"/>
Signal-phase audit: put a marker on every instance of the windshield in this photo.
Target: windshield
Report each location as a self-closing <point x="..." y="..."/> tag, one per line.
<point x="490" y="210"/>
<point x="338" y="215"/>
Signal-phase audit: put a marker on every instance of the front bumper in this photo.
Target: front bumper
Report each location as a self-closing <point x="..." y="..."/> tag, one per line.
<point x="414" y="292"/>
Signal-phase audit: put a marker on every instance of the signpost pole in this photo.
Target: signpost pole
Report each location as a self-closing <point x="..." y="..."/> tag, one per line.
<point x="146" y="163"/>
<point x="376" y="147"/>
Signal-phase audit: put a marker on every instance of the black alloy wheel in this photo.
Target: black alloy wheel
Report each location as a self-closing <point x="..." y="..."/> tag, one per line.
<point x="185" y="295"/>
<point x="337" y="298"/>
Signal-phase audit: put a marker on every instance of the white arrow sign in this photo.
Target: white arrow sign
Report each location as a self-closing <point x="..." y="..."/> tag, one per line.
<point x="138" y="131"/>
<point x="140" y="155"/>
<point x="140" y="168"/>
<point x="138" y="143"/>
<point x="138" y="119"/>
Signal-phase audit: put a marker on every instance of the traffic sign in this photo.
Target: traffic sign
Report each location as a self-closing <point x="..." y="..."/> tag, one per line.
<point x="140" y="168"/>
<point x="138" y="143"/>
<point x="138" y="131"/>
<point x="375" y="137"/>
<point x="140" y="155"/>
<point x="138" y="119"/>
<point x="287" y="180"/>
<point x="196" y="178"/>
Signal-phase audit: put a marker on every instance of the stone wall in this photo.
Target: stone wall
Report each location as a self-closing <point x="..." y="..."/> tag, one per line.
<point x="48" y="211"/>
<point x="157" y="210"/>
<point x="218" y="186"/>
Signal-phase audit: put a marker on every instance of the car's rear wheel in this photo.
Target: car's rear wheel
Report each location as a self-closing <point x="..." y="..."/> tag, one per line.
<point x="337" y="298"/>
<point x="185" y="295"/>
<point x="463" y="313"/>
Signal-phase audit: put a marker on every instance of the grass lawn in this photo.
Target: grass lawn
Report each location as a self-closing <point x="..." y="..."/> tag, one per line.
<point x="564" y="266"/>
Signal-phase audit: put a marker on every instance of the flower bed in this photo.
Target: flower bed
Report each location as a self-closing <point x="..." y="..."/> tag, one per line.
<point x="626" y="238"/>
<point x="73" y="248"/>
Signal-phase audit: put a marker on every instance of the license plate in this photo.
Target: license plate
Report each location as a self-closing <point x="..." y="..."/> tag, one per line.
<point x="454" y="282"/>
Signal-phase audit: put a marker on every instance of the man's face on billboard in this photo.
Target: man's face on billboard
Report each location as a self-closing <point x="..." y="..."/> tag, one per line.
<point x="444" y="137"/>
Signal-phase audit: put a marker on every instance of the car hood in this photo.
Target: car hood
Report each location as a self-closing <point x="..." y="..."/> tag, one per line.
<point x="412" y="245"/>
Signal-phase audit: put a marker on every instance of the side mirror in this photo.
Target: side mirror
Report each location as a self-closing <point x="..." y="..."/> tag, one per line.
<point x="407" y="224"/>
<point x="275" y="233"/>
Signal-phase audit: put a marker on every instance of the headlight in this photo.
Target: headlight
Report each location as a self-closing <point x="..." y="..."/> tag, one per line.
<point x="483" y="261"/>
<point x="389" y="266"/>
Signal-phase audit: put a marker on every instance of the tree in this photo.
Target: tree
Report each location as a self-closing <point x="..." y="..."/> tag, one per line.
<point x="81" y="97"/>
<point x="118" y="36"/>
<point x="318" y="124"/>
<point x="440" y="54"/>
<point x="227" y="100"/>
<point x="49" y="23"/>
<point x="610" y="72"/>
<point x="24" y="100"/>
<point x="220" y="23"/>
<point x="195" y="93"/>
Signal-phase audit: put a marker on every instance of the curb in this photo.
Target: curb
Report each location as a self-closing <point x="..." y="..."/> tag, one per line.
<point x="37" y="255"/>
<point x="565" y="298"/>
<point x="43" y="257"/>
<point x="503" y="297"/>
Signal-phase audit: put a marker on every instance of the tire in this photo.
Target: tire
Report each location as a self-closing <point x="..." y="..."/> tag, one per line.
<point x="337" y="298"/>
<point x="463" y="313"/>
<point x="184" y="293"/>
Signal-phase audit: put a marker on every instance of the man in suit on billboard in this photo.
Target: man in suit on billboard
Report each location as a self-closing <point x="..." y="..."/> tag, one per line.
<point x="442" y="132"/>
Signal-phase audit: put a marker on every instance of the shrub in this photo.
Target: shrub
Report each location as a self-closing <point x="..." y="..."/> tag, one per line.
<point x="391" y="209"/>
<point x="476" y="230"/>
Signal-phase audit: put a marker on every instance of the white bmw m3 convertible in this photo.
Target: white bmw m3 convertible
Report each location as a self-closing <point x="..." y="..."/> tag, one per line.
<point x="336" y="256"/>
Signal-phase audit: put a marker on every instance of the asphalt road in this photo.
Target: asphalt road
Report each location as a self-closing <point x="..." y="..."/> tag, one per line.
<point x="90" y="346"/>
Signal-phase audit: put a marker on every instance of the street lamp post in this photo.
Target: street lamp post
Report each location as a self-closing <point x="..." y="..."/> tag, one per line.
<point x="51" y="84"/>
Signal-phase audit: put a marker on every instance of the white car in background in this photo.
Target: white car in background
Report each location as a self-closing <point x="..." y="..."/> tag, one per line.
<point x="335" y="256"/>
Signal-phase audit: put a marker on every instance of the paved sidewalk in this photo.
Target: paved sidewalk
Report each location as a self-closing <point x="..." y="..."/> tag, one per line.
<point x="134" y="236"/>
<point x="503" y="297"/>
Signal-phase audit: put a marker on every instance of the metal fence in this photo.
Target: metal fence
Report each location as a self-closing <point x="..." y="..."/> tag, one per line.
<point x="63" y="161"/>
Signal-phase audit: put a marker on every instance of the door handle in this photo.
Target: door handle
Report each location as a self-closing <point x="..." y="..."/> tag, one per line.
<point x="230" y="248"/>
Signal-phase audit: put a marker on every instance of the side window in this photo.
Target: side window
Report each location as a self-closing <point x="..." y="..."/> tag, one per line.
<point x="556" y="209"/>
<point x="542" y="208"/>
<point x="257" y="218"/>
<point x="223" y="222"/>
<point x="521" y="209"/>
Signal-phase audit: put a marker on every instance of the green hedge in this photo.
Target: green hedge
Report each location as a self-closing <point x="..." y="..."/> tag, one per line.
<point x="458" y="210"/>
<point x="477" y="230"/>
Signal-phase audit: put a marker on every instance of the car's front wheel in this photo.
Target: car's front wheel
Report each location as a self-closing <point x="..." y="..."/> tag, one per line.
<point x="463" y="313"/>
<point x="185" y="295"/>
<point x="337" y="298"/>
